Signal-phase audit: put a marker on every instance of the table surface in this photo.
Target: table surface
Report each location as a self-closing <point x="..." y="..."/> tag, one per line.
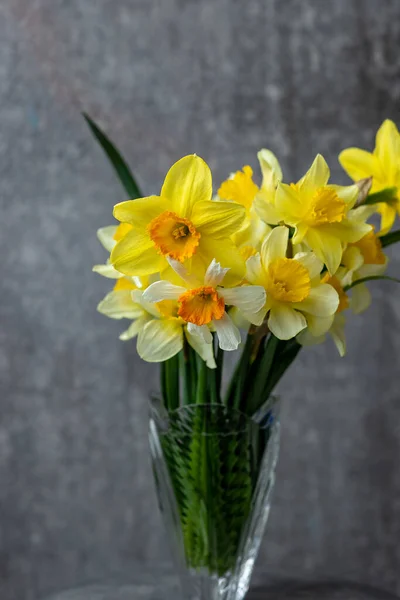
<point x="279" y="590"/>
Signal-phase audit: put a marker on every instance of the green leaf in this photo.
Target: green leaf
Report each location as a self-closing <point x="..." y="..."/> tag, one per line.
<point x="117" y="161"/>
<point x="370" y="278"/>
<point x="386" y="195"/>
<point x="390" y="238"/>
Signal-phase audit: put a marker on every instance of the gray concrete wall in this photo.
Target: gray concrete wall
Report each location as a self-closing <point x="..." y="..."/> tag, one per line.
<point x="165" y="78"/>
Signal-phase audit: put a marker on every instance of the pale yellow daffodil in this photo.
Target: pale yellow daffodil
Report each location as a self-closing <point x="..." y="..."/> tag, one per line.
<point x="319" y="212"/>
<point x="159" y="330"/>
<point x="181" y="224"/>
<point x="295" y="296"/>
<point x="202" y="303"/>
<point x="383" y="165"/>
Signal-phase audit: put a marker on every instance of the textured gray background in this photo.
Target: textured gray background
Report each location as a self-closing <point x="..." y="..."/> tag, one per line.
<point x="168" y="77"/>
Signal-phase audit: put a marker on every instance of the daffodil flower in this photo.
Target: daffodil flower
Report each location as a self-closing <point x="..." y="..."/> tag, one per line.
<point x="159" y="330"/>
<point x="383" y="165"/>
<point x="319" y="213"/>
<point x="295" y="296"/>
<point x="202" y="304"/>
<point x="183" y="224"/>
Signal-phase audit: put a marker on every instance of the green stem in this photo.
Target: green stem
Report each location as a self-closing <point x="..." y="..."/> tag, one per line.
<point x="265" y="367"/>
<point x="219" y="369"/>
<point x="171" y="397"/>
<point x="201" y="381"/>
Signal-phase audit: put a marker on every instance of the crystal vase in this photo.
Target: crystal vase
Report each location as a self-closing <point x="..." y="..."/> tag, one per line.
<point x="214" y="471"/>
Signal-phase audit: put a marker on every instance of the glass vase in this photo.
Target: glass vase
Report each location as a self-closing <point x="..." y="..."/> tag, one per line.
<point x="214" y="470"/>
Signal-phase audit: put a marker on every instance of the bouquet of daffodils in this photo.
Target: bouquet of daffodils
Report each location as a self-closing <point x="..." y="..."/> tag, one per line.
<point x="264" y="269"/>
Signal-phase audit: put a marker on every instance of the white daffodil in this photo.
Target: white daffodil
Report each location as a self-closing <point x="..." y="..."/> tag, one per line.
<point x="295" y="296"/>
<point x="202" y="304"/>
<point x="159" y="330"/>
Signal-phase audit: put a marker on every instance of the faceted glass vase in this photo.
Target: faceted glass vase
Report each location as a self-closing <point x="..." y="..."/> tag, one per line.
<point x="214" y="470"/>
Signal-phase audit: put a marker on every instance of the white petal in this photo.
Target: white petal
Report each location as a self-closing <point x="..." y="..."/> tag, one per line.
<point x="203" y="349"/>
<point x="275" y="245"/>
<point x="159" y="340"/>
<point x="133" y="329"/>
<point x="108" y="271"/>
<point x="360" y="298"/>
<point x="322" y="301"/>
<point x="162" y="290"/>
<point x="149" y="307"/>
<point x="105" y="236"/>
<point x="182" y="271"/>
<point x="285" y="322"/>
<point x="202" y="331"/>
<point x="120" y="305"/>
<point x="227" y="332"/>
<point x="255" y="318"/>
<point x="214" y="274"/>
<point x="254" y="268"/>
<point x="249" y="298"/>
<point x="311" y="262"/>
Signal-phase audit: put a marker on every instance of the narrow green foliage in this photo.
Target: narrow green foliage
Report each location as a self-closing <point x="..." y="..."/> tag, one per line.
<point x="370" y="278"/>
<point x="121" y="168"/>
<point x="386" y="195"/>
<point x="171" y="382"/>
<point x="264" y="370"/>
<point x="390" y="238"/>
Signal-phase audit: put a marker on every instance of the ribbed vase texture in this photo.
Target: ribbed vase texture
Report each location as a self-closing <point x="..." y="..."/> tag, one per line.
<point x="214" y="470"/>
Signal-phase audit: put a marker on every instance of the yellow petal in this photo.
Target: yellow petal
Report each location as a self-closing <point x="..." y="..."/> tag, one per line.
<point x="188" y="181"/>
<point x="141" y="211"/>
<point x="285" y="322"/>
<point x="318" y="326"/>
<point x="265" y="210"/>
<point x="388" y="217"/>
<point x="348" y="230"/>
<point x="358" y="163"/>
<point x="388" y="147"/>
<point x="360" y="298"/>
<point x="159" y="340"/>
<point x="322" y="301"/>
<point x="136" y="255"/>
<point x="289" y="204"/>
<point x="269" y="162"/>
<point x="107" y="270"/>
<point x="338" y="334"/>
<point x="327" y="247"/>
<point x="317" y="176"/>
<point x="217" y="219"/>
<point x="275" y="245"/>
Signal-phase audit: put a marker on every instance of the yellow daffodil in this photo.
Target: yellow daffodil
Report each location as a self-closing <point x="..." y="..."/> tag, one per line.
<point x="158" y="327"/>
<point x="181" y="224"/>
<point x="383" y="165"/>
<point x="295" y="296"/>
<point x="108" y="237"/>
<point x="319" y="212"/>
<point x="202" y="303"/>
